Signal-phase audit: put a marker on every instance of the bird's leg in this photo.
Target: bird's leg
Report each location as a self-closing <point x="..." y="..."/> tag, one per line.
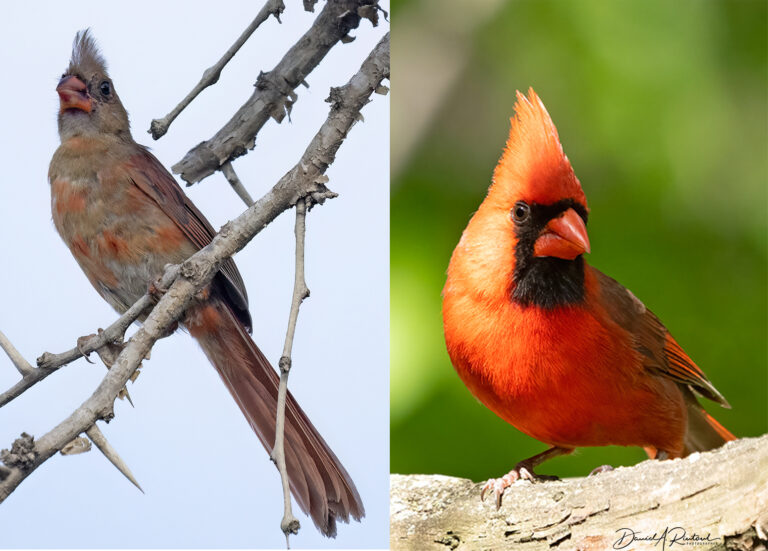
<point x="656" y="453"/>
<point x="523" y="470"/>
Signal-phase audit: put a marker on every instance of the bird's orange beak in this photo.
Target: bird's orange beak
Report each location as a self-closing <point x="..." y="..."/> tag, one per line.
<point x="563" y="237"/>
<point x="73" y="94"/>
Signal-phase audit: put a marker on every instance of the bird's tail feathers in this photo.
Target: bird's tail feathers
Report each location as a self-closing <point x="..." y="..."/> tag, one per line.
<point x="320" y="484"/>
<point x="703" y="432"/>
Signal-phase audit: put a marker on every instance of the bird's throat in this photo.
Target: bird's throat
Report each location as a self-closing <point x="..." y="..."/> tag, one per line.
<point x="548" y="282"/>
<point x="545" y="281"/>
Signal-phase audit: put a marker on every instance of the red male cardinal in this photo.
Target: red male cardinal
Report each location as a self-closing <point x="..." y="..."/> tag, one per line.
<point x="124" y="218"/>
<point x="548" y="343"/>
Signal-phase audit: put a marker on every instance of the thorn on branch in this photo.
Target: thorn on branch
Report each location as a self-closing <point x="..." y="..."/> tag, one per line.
<point x="22" y="454"/>
<point x="29" y="454"/>
<point x="15" y="356"/>
<point x="109" y="452"/>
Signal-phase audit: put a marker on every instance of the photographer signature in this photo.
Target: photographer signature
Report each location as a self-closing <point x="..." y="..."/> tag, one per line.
<point x="671" y="536"/>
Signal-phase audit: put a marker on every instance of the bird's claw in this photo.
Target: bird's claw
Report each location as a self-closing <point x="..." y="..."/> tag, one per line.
<point x="600" y="469"/>
<point x="498" y="485"/>
<point x="81" y="342"/>
<point x="168" y="332"/>
<point x="156" y="290"/>
<point x="520" y="472"/>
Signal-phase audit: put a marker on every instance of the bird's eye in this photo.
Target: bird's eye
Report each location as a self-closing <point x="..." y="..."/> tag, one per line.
<point x="105" y="88"/>
<point x="520" y="212"/>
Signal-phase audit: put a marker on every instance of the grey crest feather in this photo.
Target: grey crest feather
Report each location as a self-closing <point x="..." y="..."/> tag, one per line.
<point x="86" y="58"/>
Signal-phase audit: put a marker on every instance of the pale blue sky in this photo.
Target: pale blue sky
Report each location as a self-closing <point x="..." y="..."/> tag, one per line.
<point x="208" y="481"/>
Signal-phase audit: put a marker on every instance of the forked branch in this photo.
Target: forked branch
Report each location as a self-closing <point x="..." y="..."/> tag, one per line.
<point x="274" y="94"/>
<point x="159" y="127"/>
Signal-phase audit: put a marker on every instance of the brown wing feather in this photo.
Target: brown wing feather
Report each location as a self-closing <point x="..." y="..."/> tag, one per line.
<point x="661" y="353"/>
<point x="149" y="175"/>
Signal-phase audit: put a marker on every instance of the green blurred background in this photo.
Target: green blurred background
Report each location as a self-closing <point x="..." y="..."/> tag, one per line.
<point x="661" y="108"/>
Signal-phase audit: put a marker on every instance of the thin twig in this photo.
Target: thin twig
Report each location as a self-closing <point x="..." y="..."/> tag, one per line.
<point x="18" y="360"/>
<point x="49" y="363"/>
<point x="289" y="524"/>
<point x="159" y="127"/>
<point x="237" y="185"/>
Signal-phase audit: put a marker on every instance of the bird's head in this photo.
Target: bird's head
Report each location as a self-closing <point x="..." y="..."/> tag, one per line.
<point x="89" y="104"/>
<point x="528" y="236"/>
<point x="535" y="184"/>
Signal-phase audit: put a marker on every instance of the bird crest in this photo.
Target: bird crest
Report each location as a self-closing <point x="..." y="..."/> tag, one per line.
<point x="533" y="167"/>
<point x="86" y="58"/>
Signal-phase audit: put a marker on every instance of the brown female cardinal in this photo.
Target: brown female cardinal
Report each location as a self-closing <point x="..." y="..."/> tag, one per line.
<point x="124" y="218"/>
<point x="548" y="343"/>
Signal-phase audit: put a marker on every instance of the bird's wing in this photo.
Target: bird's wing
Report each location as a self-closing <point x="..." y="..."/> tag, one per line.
<point x="151" y="177"/>
<point x="660" y="352"/>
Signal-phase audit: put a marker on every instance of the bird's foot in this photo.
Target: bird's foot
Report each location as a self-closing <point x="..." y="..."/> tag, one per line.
<point x="522" y="471"/>
<point x="81" y="342"/>
<point x="156" y="290"/>
<point x="108" y="354"/>
<point x="498" y="485"/>
<point x="600" y="469"/>
<point x="168" y="332"/>
<point x="110" y="351"/>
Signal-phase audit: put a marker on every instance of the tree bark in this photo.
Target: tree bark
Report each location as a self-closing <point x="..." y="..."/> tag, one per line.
<point x="707" y="501"/>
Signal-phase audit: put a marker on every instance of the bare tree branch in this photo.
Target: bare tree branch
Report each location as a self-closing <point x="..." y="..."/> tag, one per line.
<point x="274" y="94"/>
<point x="289" y="524"/>
<point x="15" y="356"/>
<point x="159" y="127"/>
<point x="100" y="404"/>
<point x="237" y="185"/>
<point x="183" y="282"/>
<point x="49" y="363"/>
<point x="721" y="495"/>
